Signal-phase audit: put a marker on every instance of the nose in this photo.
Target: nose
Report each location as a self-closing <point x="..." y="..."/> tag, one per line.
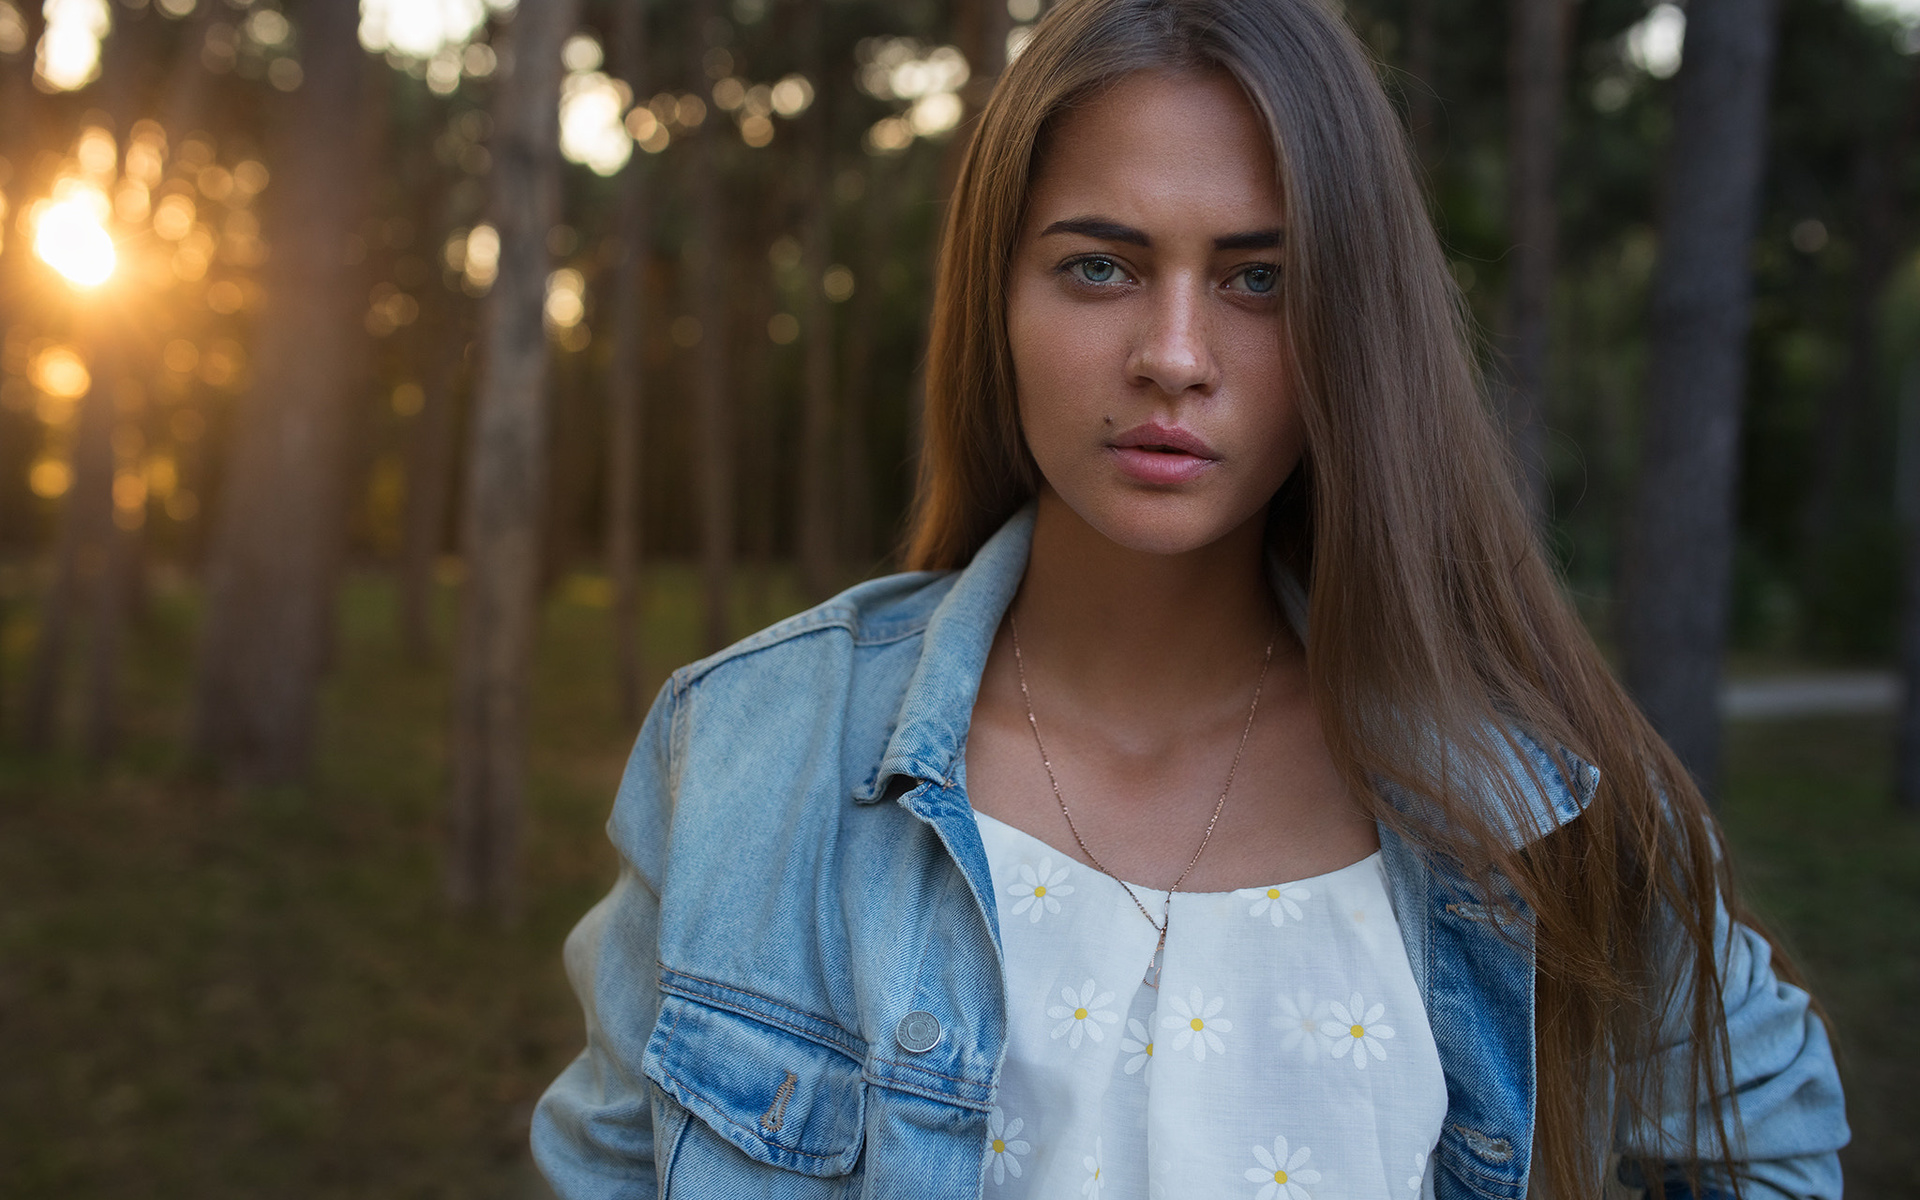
<point x="1172" y="350"/>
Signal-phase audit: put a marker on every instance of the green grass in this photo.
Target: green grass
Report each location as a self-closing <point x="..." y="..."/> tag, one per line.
<point x="207" y="992"/>
<point x="1835" y="873"/>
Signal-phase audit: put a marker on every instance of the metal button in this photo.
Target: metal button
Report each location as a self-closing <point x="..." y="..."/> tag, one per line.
<point x="918" y="1032"/>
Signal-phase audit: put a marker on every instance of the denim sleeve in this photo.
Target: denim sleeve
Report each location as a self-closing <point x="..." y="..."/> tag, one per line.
<point x="593" y="1130"/>
<point x="1792" y="1116"/>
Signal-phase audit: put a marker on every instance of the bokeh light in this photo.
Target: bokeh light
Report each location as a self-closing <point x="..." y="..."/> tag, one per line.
<point x="582" y="53"/>
<point x="479" y="259"/>
<point x="591" y="130"/>
<point x="928" y="79"/>
<point x="13" y="29"/>
<point x="566" y="298"/>
<point x="792" y="95"/>
<point x="419" y="29"/>
<point x="49" y="478"/>
<point x="70" y="235"/>
<point x="647" y="131"/>
<point x="268" y="27"/>
<point x="1654" y="44"/>
<point x="60" y="372"/>
<point x="68" y="56"/>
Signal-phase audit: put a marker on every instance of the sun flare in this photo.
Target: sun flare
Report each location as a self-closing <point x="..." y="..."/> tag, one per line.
<point x="71" y="237"/>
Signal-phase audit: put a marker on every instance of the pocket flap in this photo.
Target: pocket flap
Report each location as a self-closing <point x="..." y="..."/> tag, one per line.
<point x="783" y="1099"/>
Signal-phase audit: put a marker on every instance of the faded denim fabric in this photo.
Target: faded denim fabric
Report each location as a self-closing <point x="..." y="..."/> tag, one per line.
<point x="801" y="873"/>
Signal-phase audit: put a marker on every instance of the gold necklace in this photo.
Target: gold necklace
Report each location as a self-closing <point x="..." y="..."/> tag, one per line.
<point x="1166" y="907"/>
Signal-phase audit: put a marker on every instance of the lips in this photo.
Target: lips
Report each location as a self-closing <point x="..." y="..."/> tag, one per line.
<point x="1162" y="455"/>
<point x="1163" y="439"/>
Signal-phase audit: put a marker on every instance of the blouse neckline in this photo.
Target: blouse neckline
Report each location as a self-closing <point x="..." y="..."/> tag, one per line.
<point x="1050" y="848"/>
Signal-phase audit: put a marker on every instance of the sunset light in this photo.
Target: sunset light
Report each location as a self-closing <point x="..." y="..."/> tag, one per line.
<point x="71" y="237"/>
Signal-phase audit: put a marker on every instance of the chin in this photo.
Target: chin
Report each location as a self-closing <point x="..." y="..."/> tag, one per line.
<point x="1161" y="523"/>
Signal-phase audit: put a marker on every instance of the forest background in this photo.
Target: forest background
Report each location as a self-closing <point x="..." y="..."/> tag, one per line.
<point x="392" y="393"/>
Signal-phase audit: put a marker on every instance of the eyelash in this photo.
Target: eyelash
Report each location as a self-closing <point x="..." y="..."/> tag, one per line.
<point x="1072" y="265"/>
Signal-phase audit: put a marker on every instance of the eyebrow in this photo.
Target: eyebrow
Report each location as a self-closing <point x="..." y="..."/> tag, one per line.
<point x="1113" y="231"/>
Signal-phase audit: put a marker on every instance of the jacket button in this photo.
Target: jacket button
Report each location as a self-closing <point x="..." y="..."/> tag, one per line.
<point x="918" y="1032"/>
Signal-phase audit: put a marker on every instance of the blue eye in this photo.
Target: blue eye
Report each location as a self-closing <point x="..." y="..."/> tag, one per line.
<point x="1096" y="270"/>
<point x="1261" y="278"/>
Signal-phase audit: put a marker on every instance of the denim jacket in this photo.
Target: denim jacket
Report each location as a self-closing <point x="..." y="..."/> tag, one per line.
<point x="794" y="988"/>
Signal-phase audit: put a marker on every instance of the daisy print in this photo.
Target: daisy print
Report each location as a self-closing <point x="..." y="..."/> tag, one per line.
<point x="1276" y="903"/>
<point x="1356" y="1028"/>
<point x="1298" y="1018"/>
<point x="1039" y="889"/>
<point x="1004" y="1146"/>
<point x="1091" y="1188"/>
<point x="1282" y="1174"/>
<point x="1198" y="1023"/>
<point x="1082" y="1014"/>
<point x="1139" y="1043"/>
<point x="1419" y="1175"/>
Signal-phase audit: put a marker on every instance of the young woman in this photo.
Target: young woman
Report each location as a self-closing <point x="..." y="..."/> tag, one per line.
<point x="1229" y="805"/>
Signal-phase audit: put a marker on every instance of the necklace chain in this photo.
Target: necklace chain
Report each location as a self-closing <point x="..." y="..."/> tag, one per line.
<point x="1166" y="908"/>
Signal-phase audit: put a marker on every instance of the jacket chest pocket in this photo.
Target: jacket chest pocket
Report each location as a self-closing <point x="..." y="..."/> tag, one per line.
<point x="774" y="1112"/>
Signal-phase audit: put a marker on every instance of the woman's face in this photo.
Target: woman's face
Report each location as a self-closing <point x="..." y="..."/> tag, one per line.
<point x="1144" y="313"/>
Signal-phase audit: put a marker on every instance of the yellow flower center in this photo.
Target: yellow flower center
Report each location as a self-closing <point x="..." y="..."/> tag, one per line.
<point x="1358" y="1030"/>
<point x="999" y="1147"/>
<point x="1041" y="890"/>
<point x="1197" y="1023"/>
<point x="1273" y="893"/>
<point x="1149" y="1049"/>
<point x="1079" y="1014"/>
<point x="1279" y="1176"/>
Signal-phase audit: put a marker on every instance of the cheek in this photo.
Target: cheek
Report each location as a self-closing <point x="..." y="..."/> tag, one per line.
<point x="1257" y="365"/>
<point x="1061" y="363"/>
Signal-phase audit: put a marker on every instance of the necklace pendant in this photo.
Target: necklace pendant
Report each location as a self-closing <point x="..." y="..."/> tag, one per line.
<point x="1152" y="978"/>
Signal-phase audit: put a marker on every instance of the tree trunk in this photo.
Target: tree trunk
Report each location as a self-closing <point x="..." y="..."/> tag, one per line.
<point x="112" y="598"/>
<point x="1907" y="755"/>
<point x="712" y="403"/>
<point x="573" y="451"/>
<point x="18" y="104"/>
<point x="817" y="550"/>
<point x="504" y="485"/>
<point x="184" y="95"/>
<point x="276" y="547"/>
<point x="1906" y="771"/>
<point x="1880" y="244"/>
<point x="759" y="410"/>
<point x="86" y="525"/>
<point x="1679" y="558"/>
<point x="856" y="468"/>
<point x="1536" y="85"/>
<point x="429" y="470"/>
<point x="626" y="397"/>
<point x="116" y="531"/>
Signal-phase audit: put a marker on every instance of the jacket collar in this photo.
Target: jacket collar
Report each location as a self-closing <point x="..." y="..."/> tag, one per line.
<point x="930" y="732"/>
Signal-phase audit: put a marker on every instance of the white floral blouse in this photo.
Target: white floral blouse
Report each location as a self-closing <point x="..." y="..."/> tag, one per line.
<point x="1285" y="1054"/>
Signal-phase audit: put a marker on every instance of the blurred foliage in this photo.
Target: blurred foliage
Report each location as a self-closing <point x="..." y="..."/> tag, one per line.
<point x="1844" y="85"/>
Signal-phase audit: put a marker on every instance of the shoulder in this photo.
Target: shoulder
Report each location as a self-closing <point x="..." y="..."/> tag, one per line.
<point x="878" y="613"/>
<point x="808" y="702"/>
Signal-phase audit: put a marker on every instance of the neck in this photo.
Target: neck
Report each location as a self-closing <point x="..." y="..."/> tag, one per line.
<point x="1140" y="627"/>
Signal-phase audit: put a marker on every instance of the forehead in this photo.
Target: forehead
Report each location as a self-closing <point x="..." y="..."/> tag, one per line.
<point x="1166" y="151"/>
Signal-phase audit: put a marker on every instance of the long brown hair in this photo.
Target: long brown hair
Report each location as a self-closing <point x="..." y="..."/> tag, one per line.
<point x="1434" y="620"/>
